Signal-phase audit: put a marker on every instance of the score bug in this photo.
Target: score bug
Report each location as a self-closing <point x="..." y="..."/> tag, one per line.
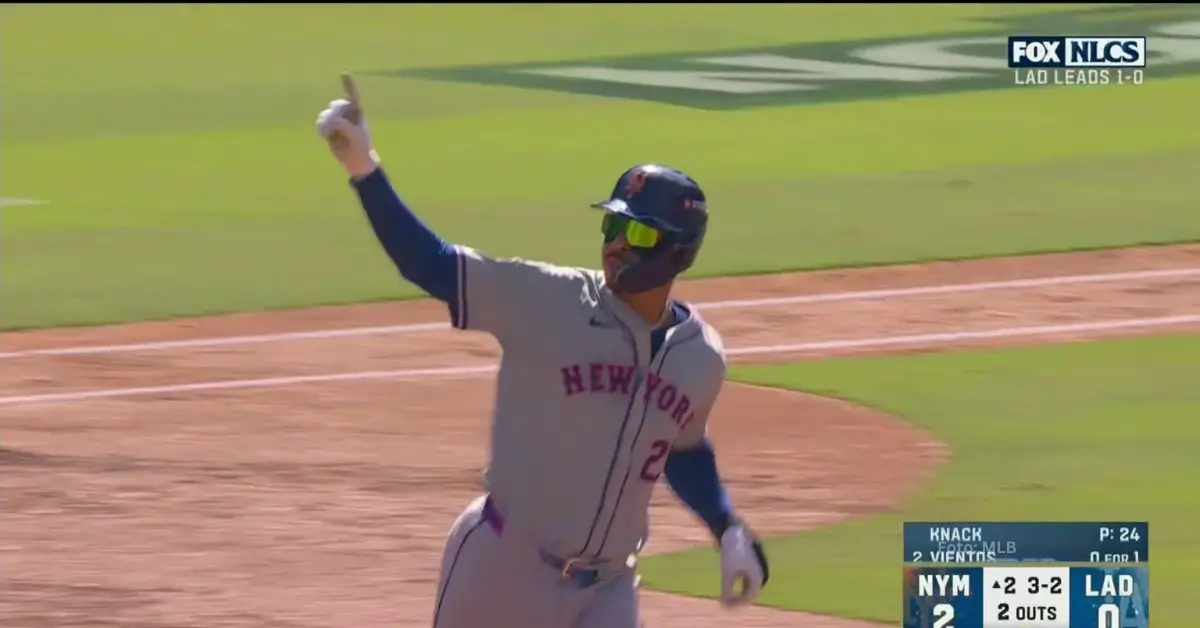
<point x="1108" y="616"/>
<point x="1115" y="557"/>
<point x="1121" y="534"/>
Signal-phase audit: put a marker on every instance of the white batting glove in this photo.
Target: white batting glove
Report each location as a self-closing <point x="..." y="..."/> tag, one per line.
<point x="740" y="567"/>
<point x="344" y="126"/>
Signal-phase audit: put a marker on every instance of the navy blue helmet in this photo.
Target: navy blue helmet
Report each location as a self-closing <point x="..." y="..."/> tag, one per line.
<point x="673" y="205"/>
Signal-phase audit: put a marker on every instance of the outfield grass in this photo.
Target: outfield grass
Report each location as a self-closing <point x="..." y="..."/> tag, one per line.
<point x="176" y="150"/>
<point x="1090" y="431"/>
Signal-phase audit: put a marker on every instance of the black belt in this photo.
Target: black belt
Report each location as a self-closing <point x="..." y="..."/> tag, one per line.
<point x="572" y="569"/>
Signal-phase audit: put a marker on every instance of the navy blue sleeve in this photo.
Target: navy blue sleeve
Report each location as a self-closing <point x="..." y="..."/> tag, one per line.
<point x="418" y="253"/>
<point x="692" y="475"/>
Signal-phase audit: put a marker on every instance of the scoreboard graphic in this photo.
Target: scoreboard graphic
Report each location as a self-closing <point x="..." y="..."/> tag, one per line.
<point x="1026" y="575"/>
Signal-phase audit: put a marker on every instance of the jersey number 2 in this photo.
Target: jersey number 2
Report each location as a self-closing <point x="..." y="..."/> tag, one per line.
<point x="652" y="469"/>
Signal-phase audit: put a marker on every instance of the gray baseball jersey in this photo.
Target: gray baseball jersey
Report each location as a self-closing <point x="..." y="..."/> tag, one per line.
<point x="585" y="415"/>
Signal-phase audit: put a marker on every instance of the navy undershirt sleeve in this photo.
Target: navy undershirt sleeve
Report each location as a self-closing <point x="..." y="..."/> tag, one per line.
<point x="418" y="253"/>
<point x="692" y="475"/>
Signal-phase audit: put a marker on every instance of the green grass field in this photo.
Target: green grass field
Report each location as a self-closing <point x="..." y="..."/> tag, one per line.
<point x="1086" y="432"/>
<point x="176" y="152"/>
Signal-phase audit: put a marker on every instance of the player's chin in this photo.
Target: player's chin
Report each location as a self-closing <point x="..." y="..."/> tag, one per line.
<point x="610" y="274"/>
<point x="612" y="268"/>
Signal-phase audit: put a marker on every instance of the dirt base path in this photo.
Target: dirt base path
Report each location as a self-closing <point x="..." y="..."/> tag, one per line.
<point x="297" y="478"/>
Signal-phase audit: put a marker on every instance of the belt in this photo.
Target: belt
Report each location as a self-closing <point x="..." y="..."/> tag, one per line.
<point x="574" y="569"/>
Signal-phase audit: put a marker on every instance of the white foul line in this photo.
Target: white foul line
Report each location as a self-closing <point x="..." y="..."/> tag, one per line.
<point x="460" y="372"/>
<point x="862" y="295"/>
<point x="19" y="202"/>
<point x="453" y="372"/>
<point x="225" y="341"/>
<point x="955" y="288"/>
<point x="959" y="336"/>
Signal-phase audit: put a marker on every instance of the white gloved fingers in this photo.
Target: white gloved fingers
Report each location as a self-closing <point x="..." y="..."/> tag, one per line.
<point x="751" y="585"/>
<point x="741" y="575"/>
<point x="339" y="111"/>
<point x="738" y="587"/>
<point x="349" y="110"/>
<point x="343" y="126"/>
<point x="354" y="112"/>
<point x="350" y="88"/>
<point x="329" y="122"/>
<point x="729" y="592"/>
<point x="346" y="110"/>
<point x="335" y="125"/>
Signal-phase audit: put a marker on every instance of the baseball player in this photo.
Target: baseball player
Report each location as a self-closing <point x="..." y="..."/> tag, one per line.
<point x="605" y="384"/>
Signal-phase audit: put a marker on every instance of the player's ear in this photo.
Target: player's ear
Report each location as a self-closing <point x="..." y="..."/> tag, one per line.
<point x="683" y="254"/>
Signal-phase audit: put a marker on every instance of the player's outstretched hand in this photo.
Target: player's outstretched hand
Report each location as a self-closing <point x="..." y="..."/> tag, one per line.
<point x="343" y="125"/>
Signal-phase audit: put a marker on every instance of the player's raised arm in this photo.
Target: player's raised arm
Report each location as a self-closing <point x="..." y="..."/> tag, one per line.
<point x="422" y="257"/>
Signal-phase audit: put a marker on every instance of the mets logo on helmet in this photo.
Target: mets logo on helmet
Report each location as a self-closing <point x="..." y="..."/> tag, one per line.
<point x="636" y="183"/>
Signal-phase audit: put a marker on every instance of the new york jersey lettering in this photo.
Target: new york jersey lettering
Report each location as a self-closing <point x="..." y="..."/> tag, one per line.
<point x="604" y="378"/>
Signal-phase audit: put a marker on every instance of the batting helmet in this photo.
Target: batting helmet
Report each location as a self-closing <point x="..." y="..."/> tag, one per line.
<point x="673" y="205"/>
